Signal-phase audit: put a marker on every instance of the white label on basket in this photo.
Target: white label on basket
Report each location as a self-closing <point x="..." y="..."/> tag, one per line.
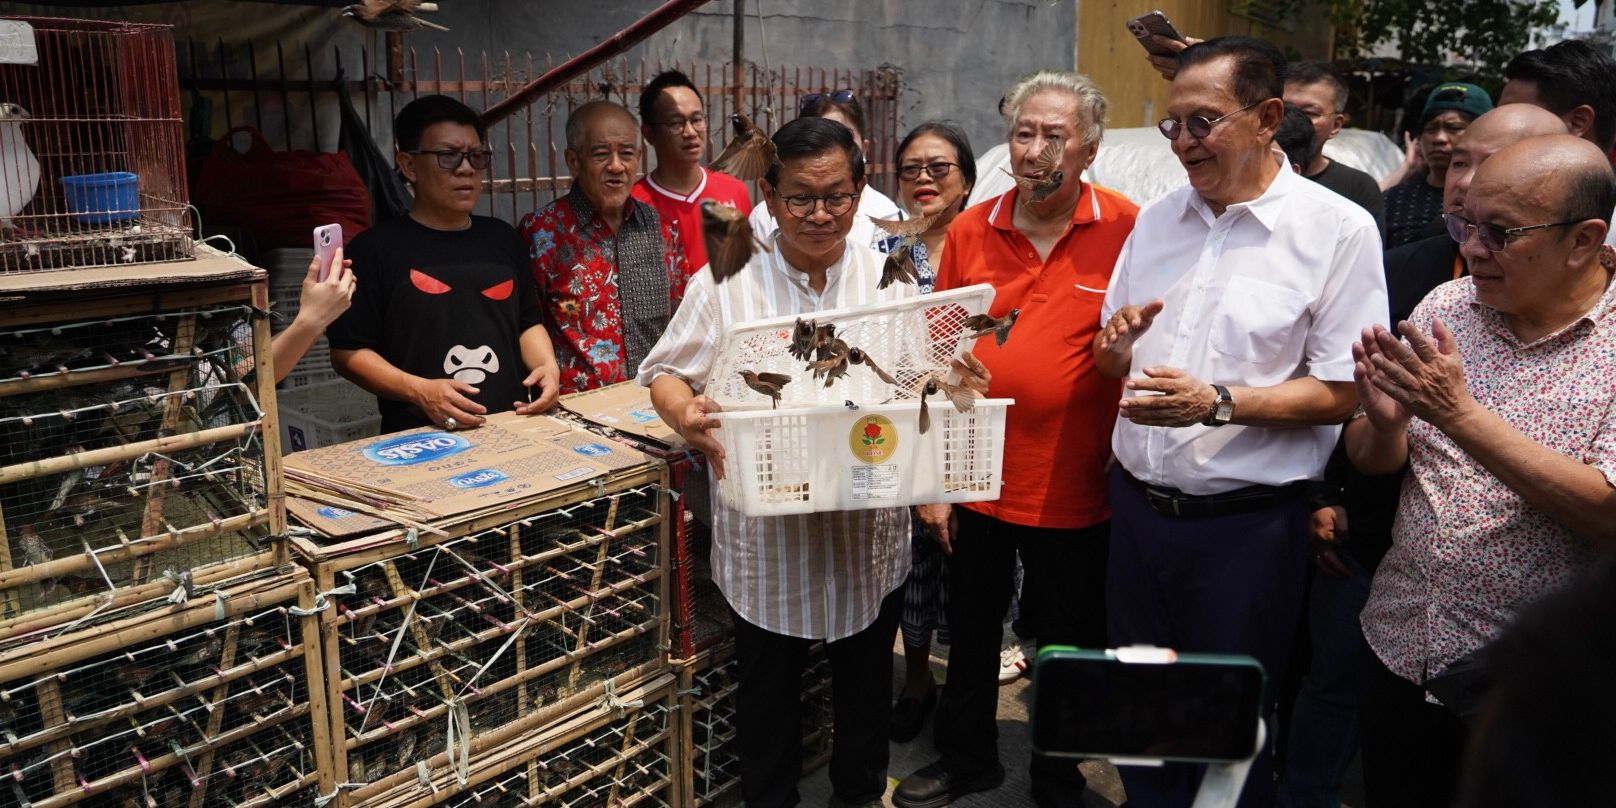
<point x="875" y="482"/>
<point x="17" y="45"/>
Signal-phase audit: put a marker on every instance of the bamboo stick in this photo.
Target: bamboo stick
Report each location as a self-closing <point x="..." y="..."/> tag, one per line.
<point x="59" y="567"/>
<point x="495" y="688"/>
<point x="270" y="438"/>
<point x="133" y="707"/>
<point x="446" y="682"/>
<point x="8" y="598"/>
<point x="129" y="451"/>
<point x="442" y="649"/>
<point x="60" y="381"/>
<point x="51" y="713"/>
<point x="151" y="521"/>
<point x="40" y="621"/>
<point x="135" y="773"/>
<point x="623" y="758"/>
<point x="594" y="584"/>
<point x="227" y="657"/>
<point x="30" y="661"/>
<point x="502" y="749"/>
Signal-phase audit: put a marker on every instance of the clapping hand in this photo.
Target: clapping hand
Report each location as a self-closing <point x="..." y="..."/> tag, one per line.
<point x="1423" y="377"/>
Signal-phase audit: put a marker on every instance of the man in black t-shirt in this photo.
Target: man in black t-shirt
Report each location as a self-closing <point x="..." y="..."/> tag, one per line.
<point x="1317" y="89"/>
<point x="445" y="325"/>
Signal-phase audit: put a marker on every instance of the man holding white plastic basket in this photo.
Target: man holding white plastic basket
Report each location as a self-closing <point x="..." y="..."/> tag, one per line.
<point x="792" y="580"/>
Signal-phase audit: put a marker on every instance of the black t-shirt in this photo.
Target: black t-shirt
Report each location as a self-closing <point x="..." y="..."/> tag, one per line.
<point x="1356" y="186"/>
<point x="1410" y="209"/>
<point x="442" y="304"/>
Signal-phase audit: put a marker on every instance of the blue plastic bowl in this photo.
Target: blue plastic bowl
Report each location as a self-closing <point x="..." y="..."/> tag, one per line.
<point x="102" y="198"/>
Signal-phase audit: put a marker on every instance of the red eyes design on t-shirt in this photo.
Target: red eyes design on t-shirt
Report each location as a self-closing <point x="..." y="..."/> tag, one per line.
<point x="433" y="286"/>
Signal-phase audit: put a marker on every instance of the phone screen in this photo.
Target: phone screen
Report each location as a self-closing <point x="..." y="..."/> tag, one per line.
<point x="1088" y="706"/>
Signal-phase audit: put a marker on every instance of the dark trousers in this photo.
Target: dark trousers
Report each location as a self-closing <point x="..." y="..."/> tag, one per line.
<point x="1412" y="749"/>
<point x="768" y="709"/>
<point x="1212" y="585"/>
<point x="1063" y="589"/>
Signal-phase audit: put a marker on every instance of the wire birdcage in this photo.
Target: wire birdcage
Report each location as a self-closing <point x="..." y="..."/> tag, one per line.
<point x="92" y="161"/>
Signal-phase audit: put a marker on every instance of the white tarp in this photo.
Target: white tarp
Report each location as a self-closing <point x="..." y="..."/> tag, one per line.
<point x="1139" y="162"/>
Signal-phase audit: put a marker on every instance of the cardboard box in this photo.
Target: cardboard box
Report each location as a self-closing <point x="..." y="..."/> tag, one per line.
<point x="626" y="408"/>
<point x="461" y="473"/>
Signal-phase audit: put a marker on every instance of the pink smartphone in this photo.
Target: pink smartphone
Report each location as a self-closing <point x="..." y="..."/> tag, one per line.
<point x="327" y="240"/>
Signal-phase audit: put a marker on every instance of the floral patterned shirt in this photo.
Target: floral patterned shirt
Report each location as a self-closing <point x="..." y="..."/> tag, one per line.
<point x="576" y="266"/>
<point x="1467" y="551"/>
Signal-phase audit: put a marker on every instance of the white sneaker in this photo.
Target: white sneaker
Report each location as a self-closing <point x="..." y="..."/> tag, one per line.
<point x="1012" y="662"/>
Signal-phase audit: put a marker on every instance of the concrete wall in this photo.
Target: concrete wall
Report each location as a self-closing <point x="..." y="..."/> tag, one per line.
<point x="956" y="56"/>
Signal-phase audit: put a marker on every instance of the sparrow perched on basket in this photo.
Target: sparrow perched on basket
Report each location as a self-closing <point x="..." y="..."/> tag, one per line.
<point x="749" y="154"/>
<point x="392" y="15"/>
<point x="808" y="336"/>
<point x="1050" y="176"/>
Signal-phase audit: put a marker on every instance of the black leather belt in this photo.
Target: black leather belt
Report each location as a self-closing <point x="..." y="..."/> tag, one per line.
<point x="1252" y="498"/>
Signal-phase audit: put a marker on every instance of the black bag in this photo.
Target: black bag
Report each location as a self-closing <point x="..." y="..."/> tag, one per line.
<point x="389" y="199"/>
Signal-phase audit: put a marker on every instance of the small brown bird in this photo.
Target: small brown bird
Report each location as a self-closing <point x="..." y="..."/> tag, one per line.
<point x="831" y="361"/>
<point x="809" y="338"/>
<point x="729" y="237"/>
<point x="900" y="263"/>
<point x="391" y="15"/>
<point x="1050" y="176"/>
<point x="769" y="384"/>
<point x="963" y="398"/>
<point x="981" y="325"/>
<point x="749" y="154"/>
<point x="858" y="357"/>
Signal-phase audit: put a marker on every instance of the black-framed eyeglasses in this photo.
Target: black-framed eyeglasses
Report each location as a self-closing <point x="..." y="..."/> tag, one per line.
<point x="839" y="96"/>
<point x="697" y="122"/>
<point x="1492" y="237"/>
<point x="450" y="159"/>
<point x="803" y="206"/>
<point x="1199" y="126"/>
<point x="936" y="170"/>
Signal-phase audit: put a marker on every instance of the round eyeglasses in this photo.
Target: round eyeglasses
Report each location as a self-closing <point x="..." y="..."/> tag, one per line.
<point x="803" y="206"/>
<point x="1198" y="126"/>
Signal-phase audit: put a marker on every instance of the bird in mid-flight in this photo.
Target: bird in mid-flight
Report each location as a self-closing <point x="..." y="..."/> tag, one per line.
<point x="392" y="15"/>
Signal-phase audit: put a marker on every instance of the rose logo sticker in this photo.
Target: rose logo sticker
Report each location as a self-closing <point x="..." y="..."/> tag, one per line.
<point x="874" y="439"/>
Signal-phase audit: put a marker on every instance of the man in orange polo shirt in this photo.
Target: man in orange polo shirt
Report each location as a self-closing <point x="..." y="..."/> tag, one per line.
<point x="1052" y="259"/>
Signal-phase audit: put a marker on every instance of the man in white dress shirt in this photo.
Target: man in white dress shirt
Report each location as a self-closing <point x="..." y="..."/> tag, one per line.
<point x="791" y="580"/>
<point x="1232" y="313"/>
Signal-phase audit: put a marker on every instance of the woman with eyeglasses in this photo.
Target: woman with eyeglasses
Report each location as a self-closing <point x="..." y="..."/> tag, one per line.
<point x="935" y="175"/>
<point x="844" y="108"/>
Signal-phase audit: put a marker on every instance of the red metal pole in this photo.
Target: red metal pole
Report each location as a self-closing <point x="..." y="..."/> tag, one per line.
<point x="658" y="19"/>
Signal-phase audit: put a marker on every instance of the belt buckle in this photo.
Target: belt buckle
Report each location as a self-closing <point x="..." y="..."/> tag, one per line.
<point x="1152" y="491"/>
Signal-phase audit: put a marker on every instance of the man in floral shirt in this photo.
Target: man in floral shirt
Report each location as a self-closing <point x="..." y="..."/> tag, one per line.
<point x="610" y="271"/>
<point x="1502" y="402"/>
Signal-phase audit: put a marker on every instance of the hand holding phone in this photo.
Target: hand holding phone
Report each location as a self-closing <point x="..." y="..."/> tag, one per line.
<point x="327" y="241"/>
<point x="1155" y="24"/>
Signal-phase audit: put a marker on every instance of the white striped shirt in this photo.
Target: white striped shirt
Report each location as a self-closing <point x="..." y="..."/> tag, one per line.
<point x="819" y="575"/>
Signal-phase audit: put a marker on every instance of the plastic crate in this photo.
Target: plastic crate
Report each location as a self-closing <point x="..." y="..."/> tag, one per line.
<point x="840" y="458"/>
<point x="856" y="443"/>
<point x="325" y="414"/>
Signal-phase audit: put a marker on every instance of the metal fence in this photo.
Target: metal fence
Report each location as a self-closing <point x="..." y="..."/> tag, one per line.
<point x="290" y="94"/>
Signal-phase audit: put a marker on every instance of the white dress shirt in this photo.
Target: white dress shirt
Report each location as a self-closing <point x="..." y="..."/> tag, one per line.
<point x="872" y="203"/>
<point x="819" y="575"/>
<point x="1274" y="289"/>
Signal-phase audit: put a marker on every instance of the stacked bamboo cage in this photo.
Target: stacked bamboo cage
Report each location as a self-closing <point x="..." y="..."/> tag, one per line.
<point x="138" y="450"/>
<point x="203" y="704"/>
<point x="443" y="654"/>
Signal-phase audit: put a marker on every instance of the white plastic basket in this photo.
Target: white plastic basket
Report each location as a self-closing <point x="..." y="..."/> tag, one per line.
<point x="911" y="339"/>
<point x="803" y="460"/>
<point x="326" y="414"/>
<point x="856" y="444"/>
